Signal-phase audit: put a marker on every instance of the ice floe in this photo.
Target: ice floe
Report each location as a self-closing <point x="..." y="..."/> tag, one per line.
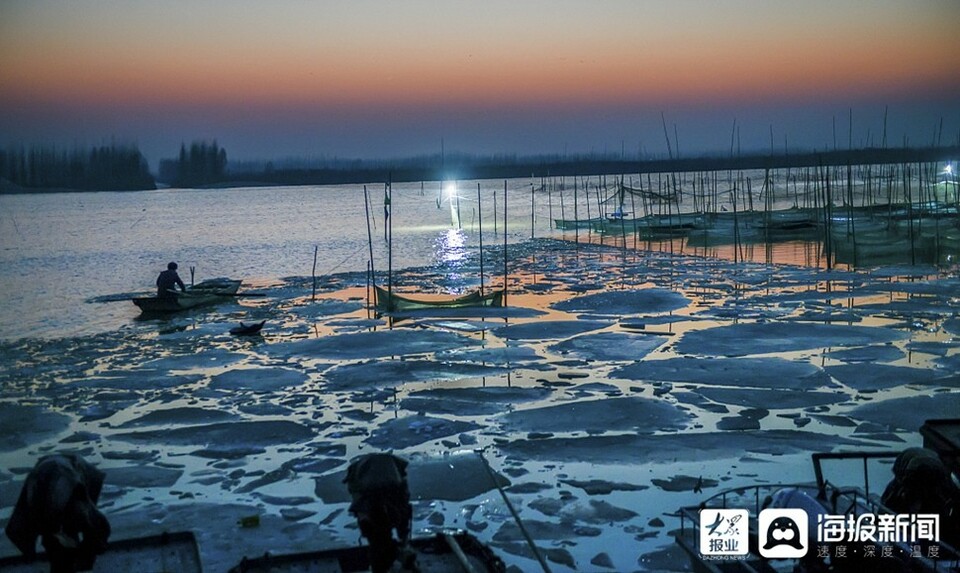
<point x="614" y="346"/>
<point x="625" y="302"/>
<point x="776" y="373"/>
<point x="772" y="337"/>
<point x="258" y="379"/>
<point x="377" y="344"/>
<point x="596" y="416"/>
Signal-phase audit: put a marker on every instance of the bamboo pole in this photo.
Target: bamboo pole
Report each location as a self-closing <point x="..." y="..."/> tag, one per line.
<point x="480" y="224"/>
<point x="314" y="273"/>
<point x="504" y="242"/>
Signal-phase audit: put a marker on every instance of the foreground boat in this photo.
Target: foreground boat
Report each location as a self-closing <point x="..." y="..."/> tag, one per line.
<point x="166" y="552"/>
<point x="453" y="552"/>
<point x="392" y="302"/>
<point x="826" y="498"/>
<point x="204" y="293"/>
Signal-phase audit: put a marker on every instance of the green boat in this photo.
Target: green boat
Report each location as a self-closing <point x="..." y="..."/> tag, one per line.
<point x="388" y="301"/>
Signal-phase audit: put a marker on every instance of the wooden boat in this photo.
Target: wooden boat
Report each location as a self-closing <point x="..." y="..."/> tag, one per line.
<point x="157" y="553"/>
<point x="204" y="293"/>
<point x="831" y="499"/>
<point x="392" y="302"/>
<point x="439" y="553"/>
<point x="571" y="224"/>
<point x="654" y="226"/>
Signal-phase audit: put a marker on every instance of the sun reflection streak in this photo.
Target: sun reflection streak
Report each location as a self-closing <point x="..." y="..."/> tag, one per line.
<point x="450" y="247"/>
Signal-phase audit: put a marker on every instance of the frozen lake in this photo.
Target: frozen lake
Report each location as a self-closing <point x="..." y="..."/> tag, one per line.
<point x="618" y="382"/>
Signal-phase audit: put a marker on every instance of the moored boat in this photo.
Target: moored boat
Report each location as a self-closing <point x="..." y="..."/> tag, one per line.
<point x="389" y="301"/>
<point x="203" y="293"/>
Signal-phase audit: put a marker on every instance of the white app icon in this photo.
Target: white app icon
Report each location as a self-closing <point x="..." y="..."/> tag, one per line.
<point x="783" y="533"/>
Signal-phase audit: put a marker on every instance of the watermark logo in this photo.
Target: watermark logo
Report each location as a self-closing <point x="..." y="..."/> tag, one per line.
<point x="724" y="532"/>
<point x="783" y="533"/>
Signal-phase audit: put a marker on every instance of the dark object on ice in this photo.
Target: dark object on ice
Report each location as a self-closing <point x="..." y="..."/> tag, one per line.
<point x="247" y="329"/>
<point x="58" y="505"/>
<point x="381" y="503"/>
<point x="452" y="552"/>
<point x="165" y="552"/>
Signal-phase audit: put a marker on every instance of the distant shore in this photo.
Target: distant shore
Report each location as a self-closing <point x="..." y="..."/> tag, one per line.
<point x="553" y="166"/>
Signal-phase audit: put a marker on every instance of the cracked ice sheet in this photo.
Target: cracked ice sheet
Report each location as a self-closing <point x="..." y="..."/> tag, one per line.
<point x="225" y="434"/>
<point x="258" y="379"/>
<point x="670" y="448"/>
<point x="771" y="399"/>
<point x="644" y="301"/>
<point x="138" y="380"/>
<point x="380" y="374"/>
<point x="451" y="477"/>
<point x="775" y="337"/>
<point x="377" y="344"/>
<point x="548" y="329"/>
<point x="597" y="416"/>
<point x="21" y="426"/>
<point x="414" y="430"/>
<point x="184" y="415"/>
<point x="471" y="401"/>
<point x="868" y="377"/>
<point x="609" y="346"/>
<point x="750" y="372"/>
<point x="909" y="413"/>
<point x="206" y="359"/>
<point x="500" y="355"/>
<point x="884" y="353"/>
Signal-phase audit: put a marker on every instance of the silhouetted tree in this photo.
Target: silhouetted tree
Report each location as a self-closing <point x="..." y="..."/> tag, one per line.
<point x="113" y="168"/>
<point x="203" y="163"/>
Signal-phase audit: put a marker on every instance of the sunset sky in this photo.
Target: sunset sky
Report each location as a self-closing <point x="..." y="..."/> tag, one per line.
<point x="375" y="79"/>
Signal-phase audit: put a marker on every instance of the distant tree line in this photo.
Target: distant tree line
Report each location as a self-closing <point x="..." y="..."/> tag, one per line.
<point x="203" y="163"/>
<point x="434" y="168"/>
<point x="103" y="168"/>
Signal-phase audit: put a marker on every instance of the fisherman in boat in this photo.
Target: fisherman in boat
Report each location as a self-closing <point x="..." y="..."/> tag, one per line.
<point x="58" y="504"/>
<point x="381" y="503"/>
<point x="167" y="280"/>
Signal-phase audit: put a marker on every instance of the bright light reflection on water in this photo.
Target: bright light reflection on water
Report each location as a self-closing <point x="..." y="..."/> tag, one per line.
<point x="451" y="247"/>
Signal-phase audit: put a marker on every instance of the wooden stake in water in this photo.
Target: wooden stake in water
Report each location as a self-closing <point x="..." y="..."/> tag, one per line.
<point x="504" y="242"/>
<point x="314" y="273"/>
<point x="480" y="224"/>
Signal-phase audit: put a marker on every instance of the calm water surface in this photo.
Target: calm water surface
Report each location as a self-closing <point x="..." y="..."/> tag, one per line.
<point x="59" y="250"/>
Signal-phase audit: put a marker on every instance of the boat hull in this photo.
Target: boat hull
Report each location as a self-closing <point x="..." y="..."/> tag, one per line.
<point x="442" y="552"/>
<point x="202" y="294"/>
<point x="166" y="552"/>
<point x="392" y="302"/>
